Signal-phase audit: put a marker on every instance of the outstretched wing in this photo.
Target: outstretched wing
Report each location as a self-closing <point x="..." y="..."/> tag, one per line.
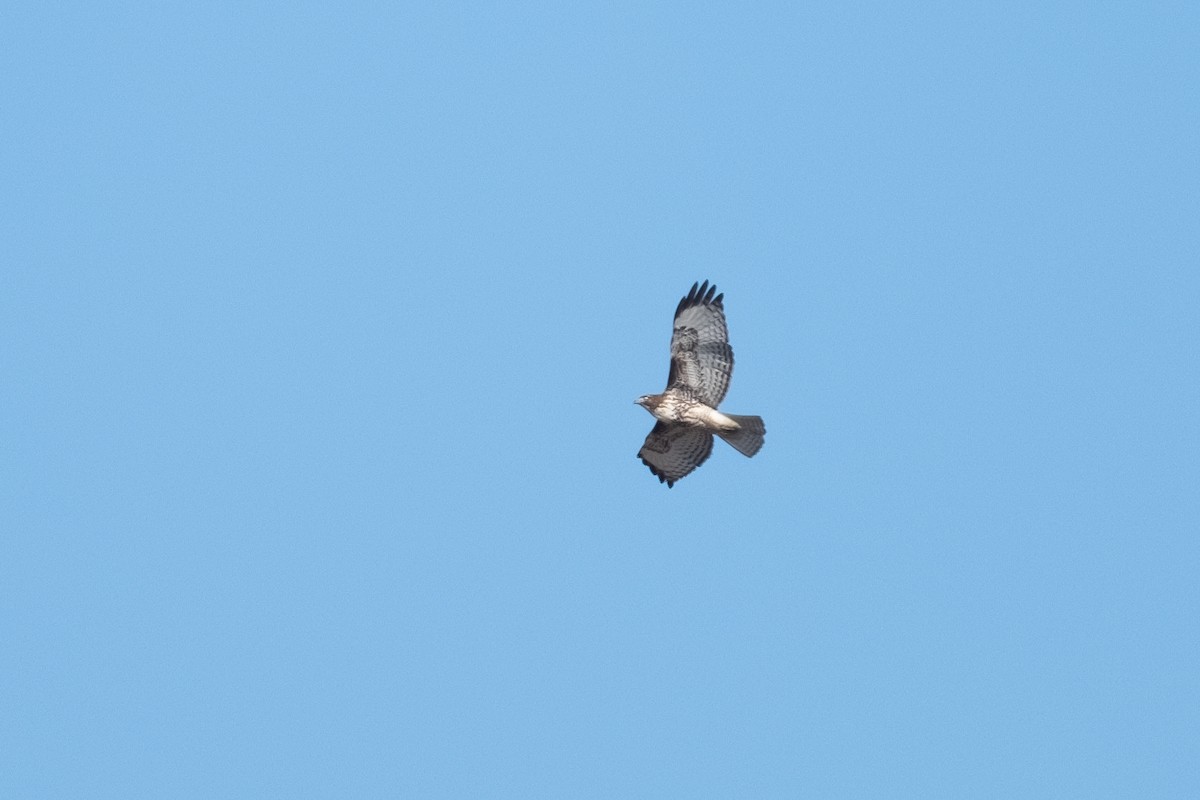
<point x="701" y="358"/>
<point x="673" y="451"/>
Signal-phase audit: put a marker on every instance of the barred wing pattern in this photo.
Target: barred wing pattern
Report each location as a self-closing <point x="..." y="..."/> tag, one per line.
<point x="673" y="451"/>
<point x="701" y="358"/>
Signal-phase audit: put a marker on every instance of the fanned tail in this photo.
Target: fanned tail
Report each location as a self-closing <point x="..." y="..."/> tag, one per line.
<point x="747" y="439"/>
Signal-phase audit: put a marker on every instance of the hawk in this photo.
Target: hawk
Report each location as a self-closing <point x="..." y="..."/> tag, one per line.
<point x="701" y="366"/>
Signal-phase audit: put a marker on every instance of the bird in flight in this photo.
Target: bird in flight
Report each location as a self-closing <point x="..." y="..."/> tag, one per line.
<point x="686" y="412"/>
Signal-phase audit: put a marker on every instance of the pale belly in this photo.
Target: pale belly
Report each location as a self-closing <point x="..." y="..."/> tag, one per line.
<point x="695" y="414"/>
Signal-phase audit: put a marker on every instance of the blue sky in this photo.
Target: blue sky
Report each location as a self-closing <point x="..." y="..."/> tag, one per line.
<point x="322" y="325"/>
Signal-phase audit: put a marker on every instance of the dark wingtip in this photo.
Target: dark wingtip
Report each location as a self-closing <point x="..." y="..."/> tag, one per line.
<point x="653" y="471"/>
<point x="688" y="299"/>
<point x="701" y="294"/>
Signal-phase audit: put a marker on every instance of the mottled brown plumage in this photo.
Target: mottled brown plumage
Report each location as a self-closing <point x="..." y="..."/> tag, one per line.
<point x="686" y="412"/>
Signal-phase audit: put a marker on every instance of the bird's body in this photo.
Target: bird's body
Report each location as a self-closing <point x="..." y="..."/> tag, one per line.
<point x="681" y="406"/>
<point x="686" y="412"/>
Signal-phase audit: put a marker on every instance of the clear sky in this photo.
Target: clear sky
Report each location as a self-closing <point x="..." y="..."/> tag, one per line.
<point x="321" y="329"/>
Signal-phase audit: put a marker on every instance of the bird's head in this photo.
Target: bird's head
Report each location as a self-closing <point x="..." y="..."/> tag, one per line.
<point x="647" y="401"/>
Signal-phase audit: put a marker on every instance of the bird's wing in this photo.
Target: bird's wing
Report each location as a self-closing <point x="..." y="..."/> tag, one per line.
<point x="701" y="358"/>
<point x="673" y="451"/>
